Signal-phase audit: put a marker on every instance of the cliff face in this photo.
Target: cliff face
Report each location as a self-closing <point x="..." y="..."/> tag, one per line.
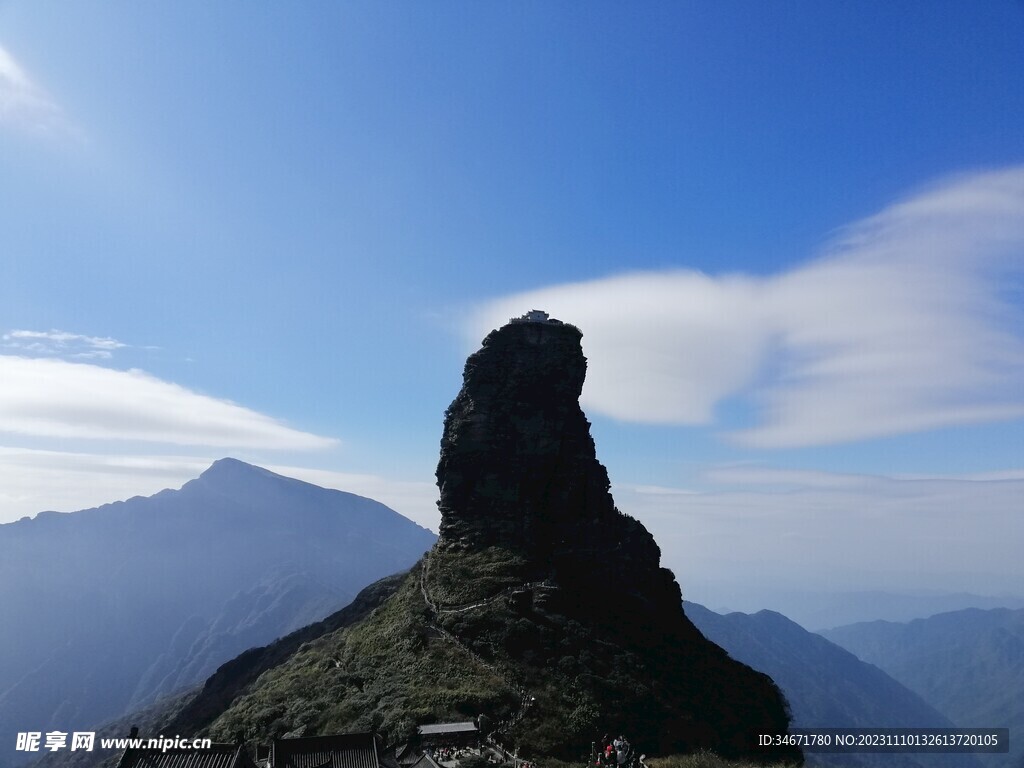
<point x="518" y="467"/>
<point x="516" y="445"/>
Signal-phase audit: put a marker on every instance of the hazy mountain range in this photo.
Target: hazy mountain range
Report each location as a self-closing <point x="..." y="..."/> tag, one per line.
<point x="107" y="609"/>
<point x="826" y="686"/>
<point x="968" y="664"/>
<point x="818" y="610"/>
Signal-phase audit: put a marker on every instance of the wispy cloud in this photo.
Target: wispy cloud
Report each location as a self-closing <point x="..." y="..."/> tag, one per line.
<point x="774" y="479"/>
<point x="61" y="344"/>
<point x="50" y="398"/>
<point x="768" y="477"/>
<point x="26" y="106"/>
<point x="794" y="528"/>
<point x="910" y="320"/>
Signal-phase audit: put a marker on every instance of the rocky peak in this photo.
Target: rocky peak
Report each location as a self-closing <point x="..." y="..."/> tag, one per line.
<point x="228" y="467"/>
<point x="519" y="470"/>
<point x="516" y="419"/>
<point x="519" y="474"/>
<point x="541" y="605"/>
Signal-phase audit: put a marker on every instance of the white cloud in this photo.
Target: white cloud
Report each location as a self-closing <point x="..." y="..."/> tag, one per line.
<point x="51" y="398"/>
<point x="911" y="320"/>
<point x="62" y="344"/>
<point x="657" y="490"/>
<point x="751" y="474"/>
<point x="646" y="337"/>
<point x="23" y="104"/>
<point x="754" y="474"/>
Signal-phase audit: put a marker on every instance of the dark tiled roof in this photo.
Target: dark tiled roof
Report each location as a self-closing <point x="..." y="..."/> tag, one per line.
<point x="347" y="750"/>
<point x="426" y="761"/>
<point x="406" y="755"/>
<point x="216" y="756"/>
<point x="430" y="730"/>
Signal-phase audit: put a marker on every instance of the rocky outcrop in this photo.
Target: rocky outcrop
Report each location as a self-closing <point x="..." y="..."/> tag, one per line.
<point x="518" y="471"/>
<point x="518" y="467"/>
<point x="541" y="606"/>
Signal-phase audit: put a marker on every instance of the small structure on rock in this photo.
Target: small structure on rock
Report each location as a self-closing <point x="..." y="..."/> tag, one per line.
<point x="464" y="734"/>
<point x="535" y="316"/>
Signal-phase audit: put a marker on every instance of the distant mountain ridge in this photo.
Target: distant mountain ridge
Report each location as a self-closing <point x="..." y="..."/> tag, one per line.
<point x="107" y="609"/>
<point x="968" y="664"/>
<point x="825" y="685"/>
<point x="817" y="611"/>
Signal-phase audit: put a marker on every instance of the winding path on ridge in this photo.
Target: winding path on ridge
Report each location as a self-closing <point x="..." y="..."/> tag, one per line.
<point x="526" y="698"/>
<point x="462" y="607"/>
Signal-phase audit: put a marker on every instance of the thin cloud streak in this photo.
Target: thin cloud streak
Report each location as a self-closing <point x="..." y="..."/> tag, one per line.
<point x="52" y="398"/>
<point x="56" y="343"/>
<point x="749" y="474"/>
<point x="26" y="106"/>
<point x="852" y="532"/>
<point x="907" y="322"/>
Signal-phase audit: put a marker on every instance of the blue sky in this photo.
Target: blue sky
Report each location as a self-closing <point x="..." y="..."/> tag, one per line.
<point x="792" y="234"/>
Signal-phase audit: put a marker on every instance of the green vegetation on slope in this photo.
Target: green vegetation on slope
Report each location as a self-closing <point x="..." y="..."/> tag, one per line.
<point x="401" y="668"/>
<point x="550" y="683"/>
<point x="384" y="674"/>
<point x="463" y="576"/>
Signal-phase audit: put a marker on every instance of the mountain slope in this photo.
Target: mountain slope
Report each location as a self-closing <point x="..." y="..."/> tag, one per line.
<point x="107" y="609"/>
<point x="541" y="606"/>
<point x="968" y="664"/>
<point x="826" y="686"/>
<point x="193" y="710"/>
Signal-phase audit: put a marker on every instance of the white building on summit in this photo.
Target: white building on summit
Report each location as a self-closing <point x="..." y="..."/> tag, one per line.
<point x="535" y="316"/>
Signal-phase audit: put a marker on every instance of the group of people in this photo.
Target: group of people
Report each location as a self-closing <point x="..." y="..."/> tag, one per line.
<point x="451" y="754"/>
<point x="614" y="752"/>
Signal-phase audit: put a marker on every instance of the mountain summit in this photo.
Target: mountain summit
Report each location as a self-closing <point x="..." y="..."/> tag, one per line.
<point x="228" y="470"/>
<point x="522" y="491"/>
<point x="541" y="606"/>
<point x="519" y="470"/>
